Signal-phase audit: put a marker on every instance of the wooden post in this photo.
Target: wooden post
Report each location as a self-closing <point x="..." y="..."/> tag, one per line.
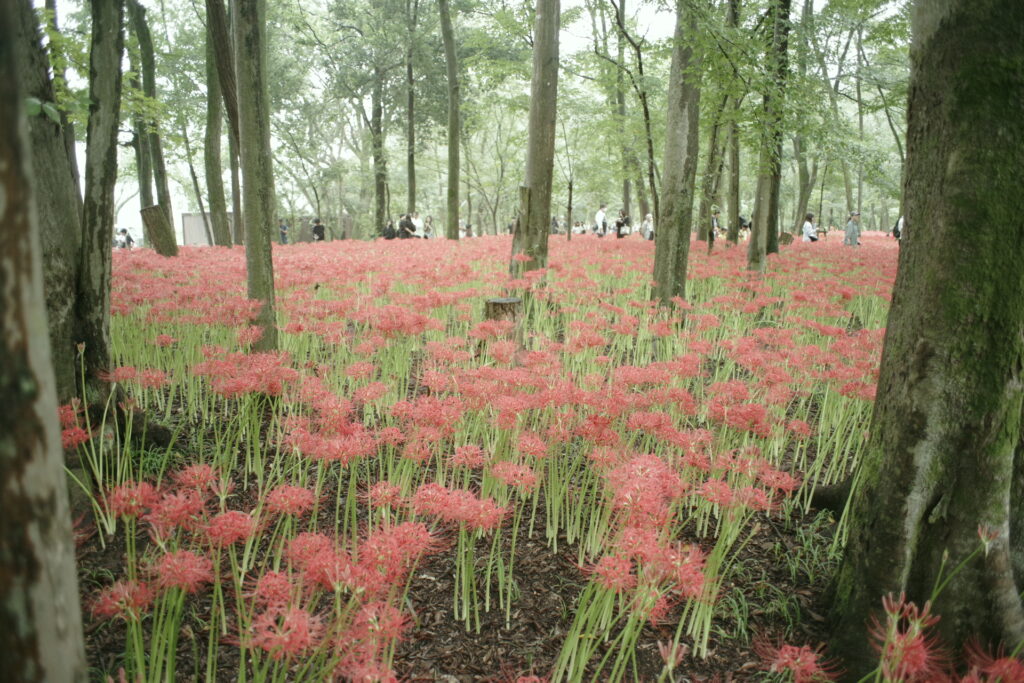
<point x="159" y="231"/>
<point x="503" y="308"/>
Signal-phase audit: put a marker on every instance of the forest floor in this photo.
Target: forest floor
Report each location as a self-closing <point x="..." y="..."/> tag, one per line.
<point x="687" y="447"/>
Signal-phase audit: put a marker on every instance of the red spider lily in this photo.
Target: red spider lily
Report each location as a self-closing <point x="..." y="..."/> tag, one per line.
<point x="615" y="573"/>
<point x="908" y="652"/>
<point x="130" y="499"/>
<point x="175" y="510"/>
<point x="457" y="506"/>
<point x="290" y="500"/>
<point x="305" y="546"/>
<point x="183" y="569"/>
<point x="285" y="632"/>
<point x="988" y="667"/>
<point x="470" y="455"/>
<point x="228" y="528"/>
<point x="532" y="445"/>
<point x="803" y="663"/>
<point x="273" y="589"/>
<point x="200" y="478"/>
<point x="69" y="413"/>
<point x="74" y="437"/>
<point x="125" y="599"/>
<point x="514" y="474"/>
<point x="164" y="340"/>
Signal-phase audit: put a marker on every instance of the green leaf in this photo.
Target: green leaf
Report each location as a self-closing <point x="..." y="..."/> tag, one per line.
<point x="33" y="106"/>
<point x="51" y="111"/>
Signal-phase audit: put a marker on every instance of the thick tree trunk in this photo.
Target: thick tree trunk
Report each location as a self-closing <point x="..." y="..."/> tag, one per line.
<point x="947" y="420"/>
<point x="237" y="219"/>
<point x="211" y="150"/>
<point x="257" y="173"/>
<point x="60" y="223"/>
<point x="93" y="301"/>
<point x="764" y="238"/>
<point x="68" y="126"/>
<point x="154" y="222"/>
<point x="672" y="248"/>
<point x="40" y="620"/>
<point x="454" y="127"/>
<point x="534" y="225"/>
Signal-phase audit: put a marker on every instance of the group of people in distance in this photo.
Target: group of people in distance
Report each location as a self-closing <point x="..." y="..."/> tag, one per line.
<point x="410" y="226"/>
<point x="316" y="227"/>
<point x="851" y="234"/>
<point x="621" y="226"/>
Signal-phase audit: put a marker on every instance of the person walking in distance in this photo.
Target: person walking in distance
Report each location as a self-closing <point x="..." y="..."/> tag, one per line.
<point x="852" y="236"/>
<point x="318" y="230"/>
<point x="810" y="234"/>
<point x="282" y="228"/>
<point x="600" y="221"/>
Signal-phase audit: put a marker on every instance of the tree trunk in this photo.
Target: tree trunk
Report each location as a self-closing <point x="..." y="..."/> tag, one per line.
<point x="40" y="620"/>
<point x="380" y="163"/>
<point x="940" y="463"/>
<point x="764" y="238"/>
<point x="257" y="173"/>
<point x="211" y="150"/>
<point x="806" y="178"/>
<point x="137" y="16"/>
<point x="68" y="126"/>
<point x="672" y="247"/>
<point x="143" y="167"/>
<point x="60" y="223"/>
<point x="195" y="184"/>
<point x="154" y="221"/>
<point x="412" y="10"/>
<point x="712" y="176"/>
<point x="237" y="219"/>
<point x="93" y="301"/>
<point x="448" y="36"/>
<point x="217" y="22"/>
<point x="534" y="225"/>
<point x="733" y="20"/>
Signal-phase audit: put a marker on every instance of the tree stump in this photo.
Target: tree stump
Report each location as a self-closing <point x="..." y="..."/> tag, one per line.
<point x="159" y="231"/>
<point x="503" y="308"/>
<point x="786" y="238"/>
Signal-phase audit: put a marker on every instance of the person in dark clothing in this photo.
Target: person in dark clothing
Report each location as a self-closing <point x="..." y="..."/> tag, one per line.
<point x="282" y="228"/>
<point x="622" y="224"/>
<point x="389" y="232"/>
<point x="318" y="230"/>
<point x="405" y="227"/>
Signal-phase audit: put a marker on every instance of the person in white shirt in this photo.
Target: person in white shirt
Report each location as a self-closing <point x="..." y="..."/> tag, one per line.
<point x="600" y="222"/>
<point x="647" y="227"/>
<point x="417" y="224"/>
<point x="810" y="234"/>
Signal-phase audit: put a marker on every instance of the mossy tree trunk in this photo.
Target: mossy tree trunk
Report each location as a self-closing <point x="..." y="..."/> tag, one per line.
<point x="40" y="620"/>
<point x="530" y="237"/>
<point x="60" y="223"/>
<point x="257" y="173"/>
<point x="92" y="303"/>
<point x="454" y="126"/>
<point x="380" y="160"/>
<point x="679" y="174"/>
<point x="946" y="426"/>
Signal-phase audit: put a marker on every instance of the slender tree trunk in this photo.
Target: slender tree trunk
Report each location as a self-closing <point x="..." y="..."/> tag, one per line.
<point x="620" y="110"/>
<point x="137" y="15"/>
<point x="672" y="248"/>
<point x="60" y="223"/>
<point x="257" y="173"/>
<point x="195" y="184"/>
<point x="412" y="11"/>
<point x="93" y="301"/>
<point x="237" y="219"/>
<point x="860" y="127"/>
<point x="211" y="149"/>
<point x="712" y="175"/>
<point x="946" y="428"/>
<point x="733" y="235"/>
<point x="380" y="163"/>
<point x="454" y="133"/>
<point x="40" y="620"/>
<point x="534" y="224"/>
<point x="143" y="167"/>
<point x="219" y="27"/>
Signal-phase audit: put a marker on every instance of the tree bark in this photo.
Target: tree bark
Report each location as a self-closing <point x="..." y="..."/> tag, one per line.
<point x="534" y="225"/>
<point x="380" y="162"/>
<point x="412" y="12"/>
<point x="257" y="173"/>
<point x="40" y="620"/>
<point x="672" y="248"/>
<point x="195" y="184"/>
<point x="137" y="16"/>
<point x="217" y="24"/>
<point x="211" y="149"/>
<point x="68" y="126"/>
<point x="60" y="223"/>
<point x="454" y="127"/>
<point x="940" y="462"/>
<point x="93" y="301"/>
<point x="733" y="235"/>
<point x="764" y="237"/>
<point x="712" y="176"/>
